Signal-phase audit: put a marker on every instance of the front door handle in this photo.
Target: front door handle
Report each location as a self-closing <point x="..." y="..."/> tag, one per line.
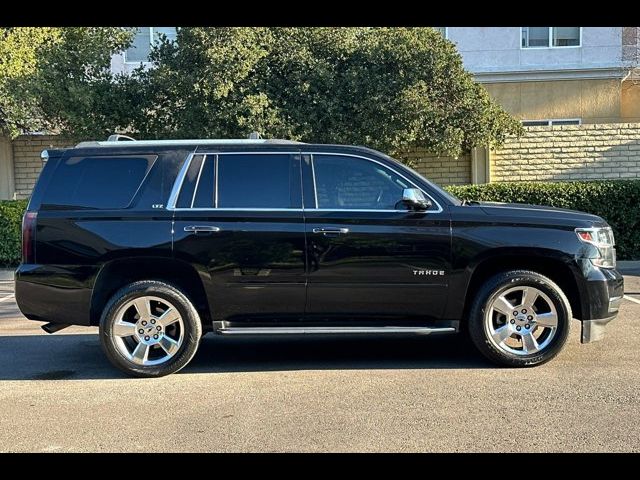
<point x="201" y="229"/>
<point x="331" y="231"/>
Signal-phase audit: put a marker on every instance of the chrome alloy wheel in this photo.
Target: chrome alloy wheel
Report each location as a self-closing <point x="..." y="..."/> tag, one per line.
<point x="148" y="330"/>
<point x="521" y="320"/>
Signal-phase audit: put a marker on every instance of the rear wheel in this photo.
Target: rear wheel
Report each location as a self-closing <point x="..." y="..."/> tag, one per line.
<point x="150" y="329"/>
<point x="520" y="319"/>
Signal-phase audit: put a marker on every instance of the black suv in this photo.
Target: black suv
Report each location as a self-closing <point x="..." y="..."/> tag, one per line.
<point x="158" y="242"/>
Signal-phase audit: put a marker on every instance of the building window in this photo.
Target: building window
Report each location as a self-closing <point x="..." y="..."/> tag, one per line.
<point x="144" y="40"/>
<point x="554" y="122"/>
<point x="550" y="37"/>
<point x="442" y="30"/>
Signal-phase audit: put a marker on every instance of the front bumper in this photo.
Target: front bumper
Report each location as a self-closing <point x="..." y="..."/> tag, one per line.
<point x="604" y="289"/>
<point x="593" y="330"/>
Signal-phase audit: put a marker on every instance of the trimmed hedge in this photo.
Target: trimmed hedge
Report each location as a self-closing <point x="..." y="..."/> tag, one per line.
<point x="10" y="232"/>
<point x="617" y="201"/>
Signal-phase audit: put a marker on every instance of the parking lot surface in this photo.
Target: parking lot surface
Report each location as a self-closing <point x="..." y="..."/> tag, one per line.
<point x="59" y="393"/>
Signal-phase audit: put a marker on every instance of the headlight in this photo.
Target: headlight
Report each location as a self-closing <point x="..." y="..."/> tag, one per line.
<point x="602" y="239"/>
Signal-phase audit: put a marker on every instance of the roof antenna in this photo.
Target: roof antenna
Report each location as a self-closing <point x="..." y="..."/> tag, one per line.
<point x="255" y="136"/>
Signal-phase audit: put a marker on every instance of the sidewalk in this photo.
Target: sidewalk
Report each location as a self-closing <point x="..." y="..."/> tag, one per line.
<point x="6" y="274"/>
<point x="626" y="267"/>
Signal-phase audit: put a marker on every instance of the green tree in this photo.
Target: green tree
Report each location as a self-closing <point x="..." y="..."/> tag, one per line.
<point x="19" y="49"/>
<point x="76" y="90"/>
<point x="59" y="79"/>
<point x="207" y="85"/>
<point x="388" y="88"/>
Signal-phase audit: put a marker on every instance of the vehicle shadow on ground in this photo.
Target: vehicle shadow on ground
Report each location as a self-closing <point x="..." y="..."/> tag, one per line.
<point x="79" y="356"/>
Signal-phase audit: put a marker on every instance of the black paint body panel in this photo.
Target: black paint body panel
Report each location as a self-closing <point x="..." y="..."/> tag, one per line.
<point x="372" y="270"/>
<point x="270" y="266"/>
<point x="254" y="267"/>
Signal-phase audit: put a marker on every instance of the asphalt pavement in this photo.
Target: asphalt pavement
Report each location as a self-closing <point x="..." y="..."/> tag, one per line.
<point x="58" y="393"/>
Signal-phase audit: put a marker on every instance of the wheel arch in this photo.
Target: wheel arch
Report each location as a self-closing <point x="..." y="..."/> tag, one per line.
<point x="120" y="272"/>
<point x="555" y="266"/>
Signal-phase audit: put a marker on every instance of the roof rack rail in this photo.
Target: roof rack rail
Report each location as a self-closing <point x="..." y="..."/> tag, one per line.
<point x="186" y="142"/>
<point x="118" y="137"/>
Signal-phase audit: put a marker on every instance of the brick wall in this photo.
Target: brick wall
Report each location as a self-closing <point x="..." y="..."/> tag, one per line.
<point x="27" y="162"/>
<point x="570" y="152"/>
<point x="631" y="44"/>
<point x="441" y="170"/>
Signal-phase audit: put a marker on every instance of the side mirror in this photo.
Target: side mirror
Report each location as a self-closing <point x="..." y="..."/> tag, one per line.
<point x="414" y="199"/>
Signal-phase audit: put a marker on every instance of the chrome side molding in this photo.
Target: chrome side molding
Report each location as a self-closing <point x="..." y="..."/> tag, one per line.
<point x="201" y="229"/>
<point x="330" y="330"/>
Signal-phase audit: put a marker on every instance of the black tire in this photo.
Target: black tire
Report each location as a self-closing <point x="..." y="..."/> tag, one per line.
<point x="190" y="319"/>
<point x="502" y="282"/>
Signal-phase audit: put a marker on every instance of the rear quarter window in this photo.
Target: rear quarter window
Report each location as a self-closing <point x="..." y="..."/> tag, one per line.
<point x="106" y="182"/>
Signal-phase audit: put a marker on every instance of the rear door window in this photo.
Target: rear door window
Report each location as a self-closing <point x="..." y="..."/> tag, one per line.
<point x="258" y="181"/>
<point x="106" y="182"/>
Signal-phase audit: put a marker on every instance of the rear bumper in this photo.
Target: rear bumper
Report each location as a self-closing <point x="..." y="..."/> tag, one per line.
<point x="602" y="299"/>
<point x="54" y="294"/>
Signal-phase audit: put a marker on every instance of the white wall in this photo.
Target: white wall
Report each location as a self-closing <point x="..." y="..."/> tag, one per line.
<point x="497" y="49"/>
<point x="118" y="65"/>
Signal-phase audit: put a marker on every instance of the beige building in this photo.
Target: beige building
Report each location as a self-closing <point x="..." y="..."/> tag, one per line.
<point x="556" y="75"/>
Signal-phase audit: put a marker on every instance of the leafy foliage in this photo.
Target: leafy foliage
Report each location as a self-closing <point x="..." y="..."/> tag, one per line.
<point x="19" y="49"/>
<point x="387" y="88"/>
<point x="617" y="201"/>
<point x="10" y="231"/>
<point x="59" y="79"/>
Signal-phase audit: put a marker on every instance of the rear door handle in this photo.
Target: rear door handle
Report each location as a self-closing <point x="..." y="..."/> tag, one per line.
<point x="201" y="229"/>
<point x="331" y="231"/>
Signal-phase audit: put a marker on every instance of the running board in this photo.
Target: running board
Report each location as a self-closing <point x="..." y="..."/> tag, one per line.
<point x="329" y="330"/>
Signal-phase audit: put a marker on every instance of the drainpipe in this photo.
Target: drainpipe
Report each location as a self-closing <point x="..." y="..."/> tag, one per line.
<point x="7" y="170"/>
<point x="480" y="167"/>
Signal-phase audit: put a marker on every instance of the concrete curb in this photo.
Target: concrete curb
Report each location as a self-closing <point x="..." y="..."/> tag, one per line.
<point x="628" y="263"/>
<point x="6" y="274"/>
<point x="629" y="267"/>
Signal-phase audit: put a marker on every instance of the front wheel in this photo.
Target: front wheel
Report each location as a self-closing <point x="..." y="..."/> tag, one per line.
<point x="150" y="329"/>
<point x="520" y="319"/>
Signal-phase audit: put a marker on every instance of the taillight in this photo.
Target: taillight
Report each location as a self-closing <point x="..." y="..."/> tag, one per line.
<point x="29" y="237"/>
